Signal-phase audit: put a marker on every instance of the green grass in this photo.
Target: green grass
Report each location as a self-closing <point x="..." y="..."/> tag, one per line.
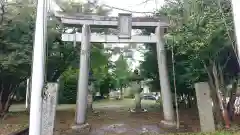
<point x="127" y="103"/>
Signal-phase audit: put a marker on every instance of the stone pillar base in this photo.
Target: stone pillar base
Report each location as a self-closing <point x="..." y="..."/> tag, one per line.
<point x="168" y="123"/>
<point x="134" y="110"/>
<point x="82" y="128"/>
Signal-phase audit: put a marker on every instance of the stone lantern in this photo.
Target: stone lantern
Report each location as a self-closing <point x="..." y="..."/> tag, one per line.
<point x="136" y="90"/>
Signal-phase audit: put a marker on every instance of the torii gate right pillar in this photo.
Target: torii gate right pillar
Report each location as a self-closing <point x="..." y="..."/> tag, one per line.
<point x="164" y="79"/>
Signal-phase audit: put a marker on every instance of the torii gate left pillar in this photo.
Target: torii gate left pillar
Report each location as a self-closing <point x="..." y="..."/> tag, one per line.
<point x="83" y="76"/>
<point x="124" y="37"/>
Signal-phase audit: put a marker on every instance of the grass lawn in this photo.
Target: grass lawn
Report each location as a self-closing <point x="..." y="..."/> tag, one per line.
<point x="110" y="112"/>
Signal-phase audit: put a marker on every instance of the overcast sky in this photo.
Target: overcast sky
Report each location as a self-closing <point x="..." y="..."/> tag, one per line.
<point x="134" y="5"/>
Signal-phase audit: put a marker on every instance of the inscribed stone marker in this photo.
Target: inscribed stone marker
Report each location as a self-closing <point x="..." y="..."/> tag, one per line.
<point x="124" y="25"/>
<point x="205" y="108"/>
<point x="49" y="109"/>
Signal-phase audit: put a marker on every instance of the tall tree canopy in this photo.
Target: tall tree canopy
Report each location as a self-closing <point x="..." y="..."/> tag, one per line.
<point x="201" y="35"/>
<point x="17" y="32"/>
<point x="198" y="34"/>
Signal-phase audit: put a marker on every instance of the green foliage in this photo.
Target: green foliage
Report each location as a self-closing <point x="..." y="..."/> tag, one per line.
<point x="68" y="92"/>
<point x="99" y="64"/>
<point x="159" y="101"/>
<point x="149" y="67"/>
<point x="100" y="76"/>
<point x="121" y="72"/>
<point x="16" y="34"/>
<point x="16" y="29"/>
<point x="201" y="33"/>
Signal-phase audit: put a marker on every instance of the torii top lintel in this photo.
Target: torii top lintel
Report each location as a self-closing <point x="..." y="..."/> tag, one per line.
<point x="76" y="20"/>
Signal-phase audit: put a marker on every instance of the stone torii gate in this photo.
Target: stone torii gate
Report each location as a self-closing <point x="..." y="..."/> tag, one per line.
<point x="125" y="23"/>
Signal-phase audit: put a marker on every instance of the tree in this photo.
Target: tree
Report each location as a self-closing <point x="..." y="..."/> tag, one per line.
<point x="206" y="37"/>
<point x="99" y="65"/>
<point x="16" y="33"/>
<point x="121" y="73"/>
<point x="149" y="67"/>
<point x="201" y="34"/>
<point x="16" y="51"/>
<point x="68" y="92"/>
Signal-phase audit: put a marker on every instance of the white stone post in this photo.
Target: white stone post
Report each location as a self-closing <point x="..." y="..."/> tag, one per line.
<point x="164" y="80"/>
<point x="38" y="68"/>
<point x="236" y="17"/>
<point x="49" y="107"/>
<point x="27" y="103"/>
<point x="83" y="76"/>
<point x="205" y="109"/>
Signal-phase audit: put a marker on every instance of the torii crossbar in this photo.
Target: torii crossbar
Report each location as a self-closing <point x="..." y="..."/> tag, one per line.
<point x="128" y="23"/>
<point x="125" y="23"/>
<point x="100" y="38"/>
<point x="110" y="22"/>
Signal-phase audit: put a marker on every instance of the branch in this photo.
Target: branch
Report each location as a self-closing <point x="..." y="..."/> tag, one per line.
<point x="2" y="8"/>
<point x="215" y="74"/>
<point x="211" y="82"/>
<point x="222" y="82"/>
<point x="2" y="89"/>
<point x="225" y="64"/>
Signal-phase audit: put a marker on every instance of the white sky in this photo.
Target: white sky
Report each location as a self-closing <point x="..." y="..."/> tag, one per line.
<point x="133" y="5"/>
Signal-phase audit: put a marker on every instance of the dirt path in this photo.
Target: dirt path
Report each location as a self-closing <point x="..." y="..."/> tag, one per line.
<point x="112" y="118"/>
<point x="115" y="122"/>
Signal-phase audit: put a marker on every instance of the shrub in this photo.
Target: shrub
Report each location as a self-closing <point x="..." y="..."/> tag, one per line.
<point x="68" y="93"/>
<point x="68" y="87"/>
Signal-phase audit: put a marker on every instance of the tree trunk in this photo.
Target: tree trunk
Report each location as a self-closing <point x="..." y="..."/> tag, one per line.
<point x="216" y="106"/>
<point x="4" y="104"/>
<point x="7" y="91"/>
<point x="219" y="86"/>
<point x="121" y="93"/>
<point x="189" y="101"/>
<point x="232" y="98"/>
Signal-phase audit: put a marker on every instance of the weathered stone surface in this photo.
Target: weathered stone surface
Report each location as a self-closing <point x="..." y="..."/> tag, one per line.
<point x="205" y="109"/>
<point x="49" y="108"/>
<point x="90" y="100"/>
<point x="82" y="129"/>
<point x="168" y="124"/>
